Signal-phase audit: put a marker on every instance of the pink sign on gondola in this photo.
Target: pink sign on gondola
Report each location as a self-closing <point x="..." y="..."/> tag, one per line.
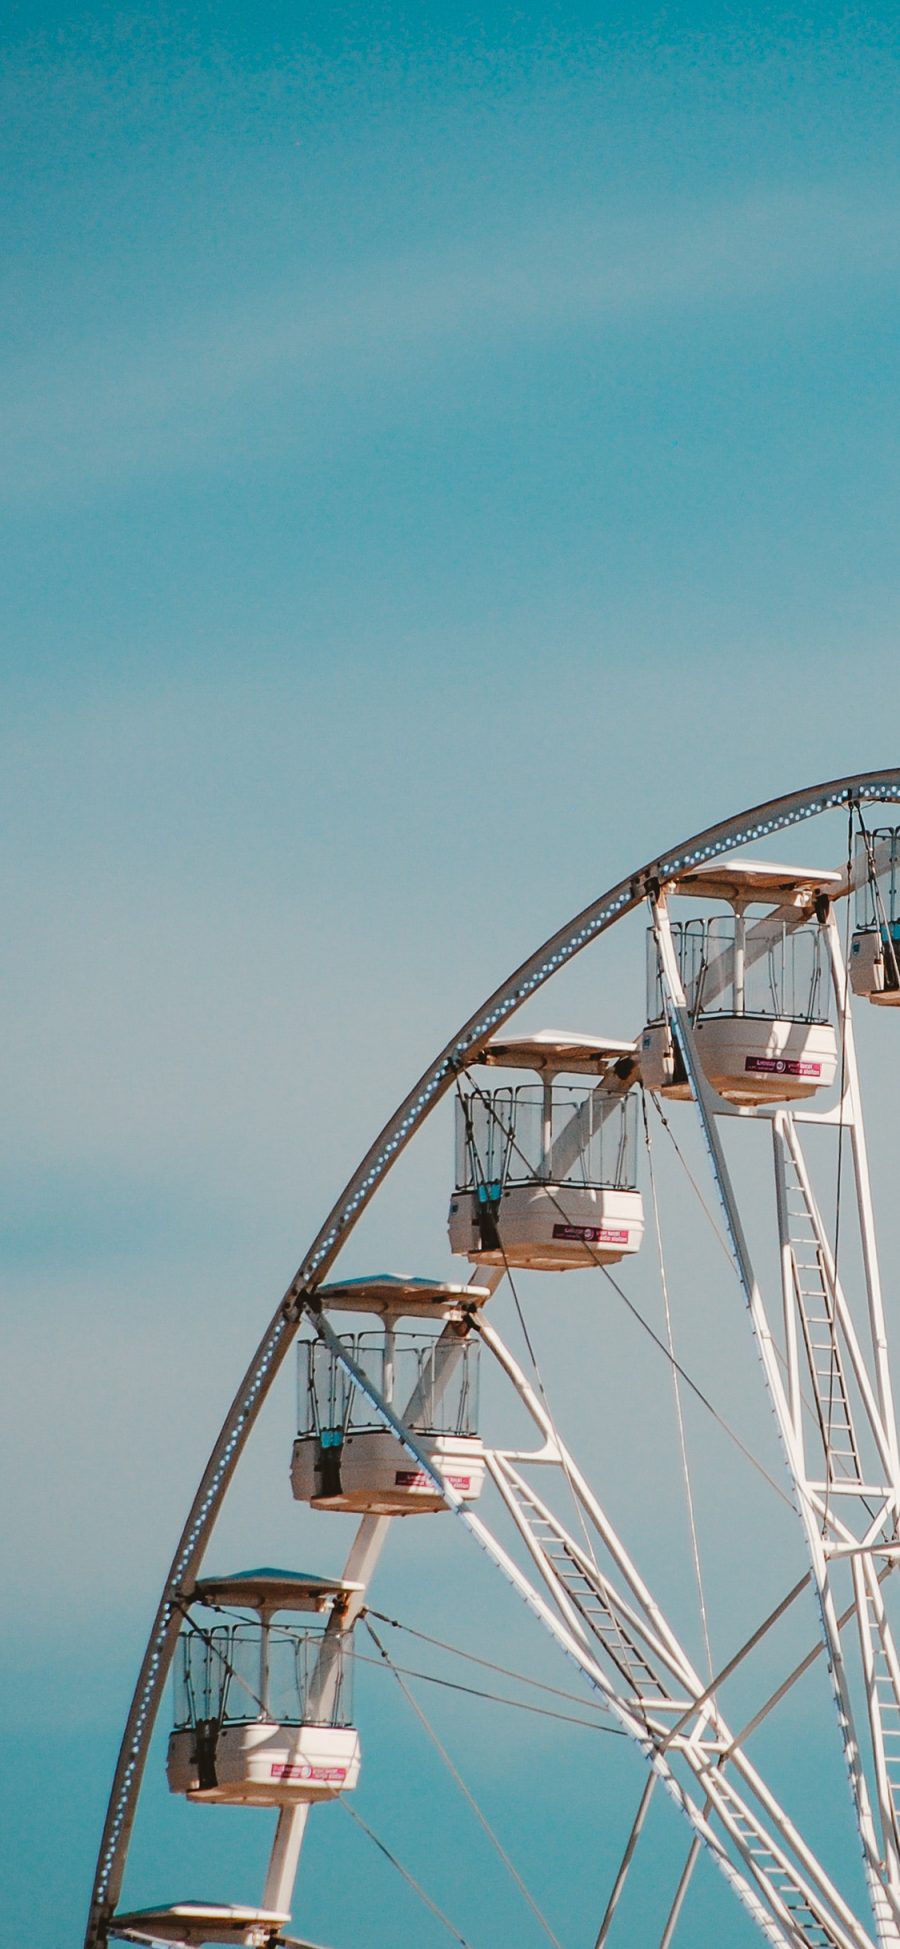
<point x="295" y="1770"/>
<point x="417" y="1479"/>
<point x="592" y="1234"/>
<point x="781" y="1066"/>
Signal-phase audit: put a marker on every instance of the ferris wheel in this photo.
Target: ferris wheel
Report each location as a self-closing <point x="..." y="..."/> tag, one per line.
<point x="721" y="1125"/>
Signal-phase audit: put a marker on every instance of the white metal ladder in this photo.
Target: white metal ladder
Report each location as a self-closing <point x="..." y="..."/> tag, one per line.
<point x="587" y="1596"/>
<point x="816" y="1310"/>
<point x="593" y="1597"/>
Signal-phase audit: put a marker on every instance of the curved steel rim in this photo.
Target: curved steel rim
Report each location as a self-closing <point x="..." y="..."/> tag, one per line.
<point x="759" y="822"/>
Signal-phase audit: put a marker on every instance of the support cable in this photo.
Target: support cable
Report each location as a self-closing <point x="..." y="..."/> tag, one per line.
<point x="708" y="1213"/>
<point x="698" y="1391"/>
<point x="668" y="1934"/>
<point x="625" y="1863"/>
<point x="679" y="1412"/>
<point x="219" y="1654"/>
<point x="620" y="1292"/>
<point x="841" y="1092"/>
<point x="472" y="1148"/>
<point x="471" y="1657"/>
<point x="830" y="1309"/>
<point x="409" y="1878"/>
<point x="509" y="1134"/>
<point x="710" y="1216"/>
<point x="429" y="1678"/>
<point x="495" y="1698"/>
<point x="468" y="1796"/>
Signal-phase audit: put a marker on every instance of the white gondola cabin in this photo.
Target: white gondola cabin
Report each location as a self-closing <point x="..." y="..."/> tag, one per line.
<point x="875" y="947"/>
<point x="344" y="1458"/>
<point x="757" y="989"/>
<point x="262" y="1712"/>
<point x="546" y="1173"/>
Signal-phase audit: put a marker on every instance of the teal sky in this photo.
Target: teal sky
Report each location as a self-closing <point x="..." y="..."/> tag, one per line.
<point x="446" y="458"/>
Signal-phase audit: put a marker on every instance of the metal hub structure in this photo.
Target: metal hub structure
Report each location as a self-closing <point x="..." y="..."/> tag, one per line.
<point x="817" y="1316"/>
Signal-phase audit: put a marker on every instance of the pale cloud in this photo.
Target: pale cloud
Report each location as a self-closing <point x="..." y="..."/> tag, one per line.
<point x="118" y="410"/>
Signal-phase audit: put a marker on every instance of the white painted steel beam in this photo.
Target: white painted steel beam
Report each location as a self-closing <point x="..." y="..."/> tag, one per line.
<point x="879" y="1851"/>
<point x="759" y="822"/>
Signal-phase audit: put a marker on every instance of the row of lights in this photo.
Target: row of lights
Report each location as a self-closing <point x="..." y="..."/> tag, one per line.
<point x="167" y="1611"/>
<point x="435" y="1083"/>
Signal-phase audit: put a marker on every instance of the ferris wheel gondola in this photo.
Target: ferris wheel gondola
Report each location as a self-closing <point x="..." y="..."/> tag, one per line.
<point x="749" y="1018"/>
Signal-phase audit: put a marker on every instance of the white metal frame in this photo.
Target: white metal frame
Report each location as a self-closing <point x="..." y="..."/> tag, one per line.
<point x="829" y="1532"/>
<point x="701" y="1743"/>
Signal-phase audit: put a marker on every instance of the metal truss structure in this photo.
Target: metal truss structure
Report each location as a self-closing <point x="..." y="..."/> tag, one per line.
<point x="824" y="1357"/>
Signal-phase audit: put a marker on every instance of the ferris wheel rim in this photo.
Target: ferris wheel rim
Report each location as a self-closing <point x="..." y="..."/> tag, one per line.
<point x="756" y="822"/>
